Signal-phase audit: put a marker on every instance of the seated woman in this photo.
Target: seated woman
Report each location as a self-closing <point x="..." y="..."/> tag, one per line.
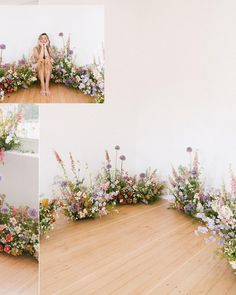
<point x="44" y="61"/>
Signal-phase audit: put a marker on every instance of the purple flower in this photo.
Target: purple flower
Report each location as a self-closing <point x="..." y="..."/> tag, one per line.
<point x="117" y="147"/>
<point x="61" y="34"/>
<point x="189" y="149"/>
<point x="74" y="208"/>
<point x="142" y="175"/>
<point x="63" y="183"/>
<point x="33" y="213"/>
<point x="109" y="166"/>
<point x="22" y="62"/>
<point x="2" y="46"/>
<point x="122" y="158"/>
<point x="71" y="52"/>
<point x="4" y="210"/>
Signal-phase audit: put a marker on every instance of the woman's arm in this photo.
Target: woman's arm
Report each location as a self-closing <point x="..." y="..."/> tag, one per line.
<point x="38" y="55"/>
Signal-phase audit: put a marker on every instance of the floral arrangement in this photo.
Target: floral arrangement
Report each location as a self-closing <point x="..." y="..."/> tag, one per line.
<point x="78" y="201"/>
<point x="8" y="131"/>
<point x="222" y="224"/>
<point x="47" y="215"/>
<point x="15" y="76"/>
<point x="19" y="231"/>
<point x="186" y="187"/>
<point x="129" y="190"/>
<point x="88" y="79"/>
<point x="148" y="188"/>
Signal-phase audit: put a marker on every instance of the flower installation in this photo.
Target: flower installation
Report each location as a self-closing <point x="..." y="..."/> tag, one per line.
<point x="186" y="187"/>
<point x="88" y="79"/>
<point x="19" y="230"/>
<point x="79" y="201"/>
<point x="8" y="131"/>
<point x="221" y="226"/>
<point x="126" y="189"/>
<point x="47" y="215"/>
<point x="110" y="187"/>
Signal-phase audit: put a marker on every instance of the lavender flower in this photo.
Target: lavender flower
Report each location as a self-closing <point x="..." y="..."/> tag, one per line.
<point x="33" y="213"/>
<point x="4" y="210"/>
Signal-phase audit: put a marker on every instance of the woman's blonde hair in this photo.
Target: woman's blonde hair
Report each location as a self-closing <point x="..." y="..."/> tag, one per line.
<point x="49" y="44"/>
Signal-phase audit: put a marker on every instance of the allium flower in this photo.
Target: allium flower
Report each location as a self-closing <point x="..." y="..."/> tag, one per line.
<point x="142" y="175"/>
<point x="61" y="34"/>
<point x="122" y="158"/>
<point x="189" y="149"/>
<point x="4" y="210"/>
<point x="2" y="46"/>
<point x="117" y="147"/>
<point x="71" y="52"/>
<point x="108" y="166"/>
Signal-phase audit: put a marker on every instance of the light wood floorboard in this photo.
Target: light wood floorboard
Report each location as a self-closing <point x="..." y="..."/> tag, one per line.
<point x="18" y="275"/>
<point x="141" y="250"/>
<point x="59" y="94"/>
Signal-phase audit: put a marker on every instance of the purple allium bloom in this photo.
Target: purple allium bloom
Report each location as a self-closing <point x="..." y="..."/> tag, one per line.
<point x="189" y="149"/>
<point x="122" y="158"/>
<point x="142" y="175"/>
<point x="71" y="51"/>
<point x="2" y="46"/>
<point x="4" y="210"/>
<point x="74" y="208"/>
<point x="117" y="147"/>
<point x="61" y="34"/>
<point x="109" y="166"/>
<point x="33" y="213"/>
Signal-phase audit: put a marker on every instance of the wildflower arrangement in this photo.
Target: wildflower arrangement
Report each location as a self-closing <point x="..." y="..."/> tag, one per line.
<point x="222" y="224"/>
<point x="19" y="230"/>
<point x="186" y="187"/>
<point x="47" y="215"/>
<point x="15" y="76"/>
<point x="78" y="201"/>
<point x="8" y="131"/>
<point x="126" y="189"/>
<point x="148" y="188"/>
<point x="89" y="78"/>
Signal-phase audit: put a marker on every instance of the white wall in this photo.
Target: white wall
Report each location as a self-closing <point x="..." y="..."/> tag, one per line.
<point x="84" y="23"/>
<point x="20" y="179"/>
<point x="170" y="83"/>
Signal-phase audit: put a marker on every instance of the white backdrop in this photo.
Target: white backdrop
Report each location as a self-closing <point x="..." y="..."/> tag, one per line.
<point x="170" y="83"/>
<point x="84" y="23"/>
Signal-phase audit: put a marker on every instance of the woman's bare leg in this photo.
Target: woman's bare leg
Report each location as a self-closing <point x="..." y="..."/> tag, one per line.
<point x="48" y="71"/>
<point x="41" y="74"/>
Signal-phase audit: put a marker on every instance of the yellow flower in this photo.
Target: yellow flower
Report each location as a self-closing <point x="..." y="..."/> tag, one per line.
<point x="44" y="202"/>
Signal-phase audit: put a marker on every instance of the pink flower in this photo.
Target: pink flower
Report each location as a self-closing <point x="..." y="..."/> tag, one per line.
<point x="2" y="150"/>
<point x="57" y="157"/>
<point x="107" y="157"/>
<point x="7" y="249"/>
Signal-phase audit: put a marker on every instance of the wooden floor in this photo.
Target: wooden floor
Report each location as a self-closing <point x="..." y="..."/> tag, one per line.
<point x="142" y="250"/>
<point x="59" y="94"/>
<point x="18" y="275"/>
